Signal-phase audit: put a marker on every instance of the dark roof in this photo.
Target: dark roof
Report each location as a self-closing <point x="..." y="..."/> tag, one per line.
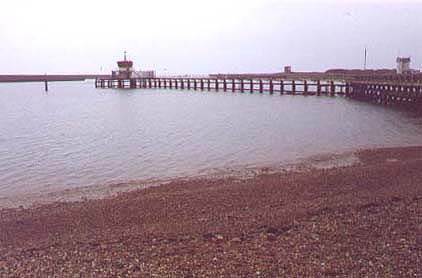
<point x="125" y="63"/>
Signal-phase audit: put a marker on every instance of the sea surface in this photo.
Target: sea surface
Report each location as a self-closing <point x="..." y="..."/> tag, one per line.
<point x="75" y="135"/>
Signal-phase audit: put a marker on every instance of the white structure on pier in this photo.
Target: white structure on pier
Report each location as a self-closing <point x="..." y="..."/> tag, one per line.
<point x="403" y="65"/>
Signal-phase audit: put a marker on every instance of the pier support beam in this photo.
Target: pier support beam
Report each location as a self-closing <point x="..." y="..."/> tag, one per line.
<point x="281" y="87"/>
<point x="271" y="87"/>
<point x="293" y="87"/>
<point x="318" y="92"/>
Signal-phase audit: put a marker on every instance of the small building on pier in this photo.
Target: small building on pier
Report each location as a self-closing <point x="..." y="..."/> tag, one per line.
<point x="125" y="70"/>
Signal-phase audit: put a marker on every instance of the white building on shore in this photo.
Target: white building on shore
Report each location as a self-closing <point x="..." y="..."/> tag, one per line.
<point x="403" y="65"/>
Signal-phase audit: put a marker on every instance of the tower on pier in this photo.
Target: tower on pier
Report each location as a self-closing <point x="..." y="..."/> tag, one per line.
<point x="125" y="68"/>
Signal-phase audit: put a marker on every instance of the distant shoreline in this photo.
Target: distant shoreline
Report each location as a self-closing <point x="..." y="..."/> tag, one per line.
<point x="48" y="77"/>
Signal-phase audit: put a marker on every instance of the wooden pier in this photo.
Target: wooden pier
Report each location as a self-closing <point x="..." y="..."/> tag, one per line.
<point x="270" y="86"/>
<point x="402" y="94"/>
<point x="407" y="95"/>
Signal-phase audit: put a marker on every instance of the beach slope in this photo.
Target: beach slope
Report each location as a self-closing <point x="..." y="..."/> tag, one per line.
<point x="355" y="221"/>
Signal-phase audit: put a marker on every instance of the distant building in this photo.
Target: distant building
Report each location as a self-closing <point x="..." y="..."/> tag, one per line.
<point x="288" y="69"/>
<point x="403" y="65"/>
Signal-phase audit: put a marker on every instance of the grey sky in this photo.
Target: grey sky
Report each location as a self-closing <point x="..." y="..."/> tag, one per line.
<point x="189" y="36"/>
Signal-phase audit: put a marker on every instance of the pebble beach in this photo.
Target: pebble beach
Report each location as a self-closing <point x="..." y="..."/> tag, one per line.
<point x="358" y="220"/>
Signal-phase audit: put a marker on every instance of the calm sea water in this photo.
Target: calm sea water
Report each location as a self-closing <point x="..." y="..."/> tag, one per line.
<point x="76" y="135"/>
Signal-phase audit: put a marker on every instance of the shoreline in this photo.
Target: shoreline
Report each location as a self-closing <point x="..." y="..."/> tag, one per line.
<point x="362" y="218"/>
<point x="108" y="190"/>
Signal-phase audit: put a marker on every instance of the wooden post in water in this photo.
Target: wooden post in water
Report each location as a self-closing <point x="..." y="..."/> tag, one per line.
<point x="251" y="86"/>
<point x="293" y="87"/>
<point x="241" y="85"/>
<point x="45" y="83"/>
<point x="209" y="84"/>
<point x="233" y="85"/>
<point x="194" y="84"/>
<point x="202" y="84"/>
<point x="216" y="85"/>
<point x="261" y="86"/>
<point x="224" y="85"/>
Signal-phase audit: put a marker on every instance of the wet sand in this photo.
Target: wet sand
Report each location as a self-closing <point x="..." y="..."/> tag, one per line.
<point x="355" y="219"/>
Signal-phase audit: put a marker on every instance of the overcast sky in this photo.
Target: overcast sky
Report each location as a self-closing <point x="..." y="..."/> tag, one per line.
<point x="194" y="36"/>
